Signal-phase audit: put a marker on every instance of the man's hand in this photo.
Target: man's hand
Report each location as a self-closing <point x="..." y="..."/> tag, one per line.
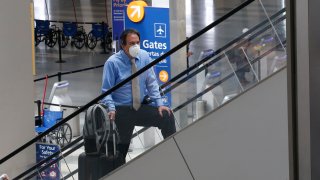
<point x="112" y="115"/>
<point x="164" y="108"/>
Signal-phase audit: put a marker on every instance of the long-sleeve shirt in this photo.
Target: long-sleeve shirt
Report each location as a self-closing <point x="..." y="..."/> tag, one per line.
<point x="117" y="68"/>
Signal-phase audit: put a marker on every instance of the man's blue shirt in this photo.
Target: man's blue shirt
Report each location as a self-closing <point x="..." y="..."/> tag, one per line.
<point x="117" y="68"/>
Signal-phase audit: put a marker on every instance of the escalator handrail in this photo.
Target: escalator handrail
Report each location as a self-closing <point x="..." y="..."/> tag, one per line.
<point x="209" y="88"/>
<point x="145" y="128"/>
<point x="224" y="79"/>
<point x="181" y="106"/>
<point x="185" y="72"/>
<point x="172" y="87"/>
<point x="218" y="58"/>
<point x="95" y="100"/>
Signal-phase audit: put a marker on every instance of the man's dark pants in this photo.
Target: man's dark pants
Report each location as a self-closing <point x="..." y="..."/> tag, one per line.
<point x="147" y="116"/>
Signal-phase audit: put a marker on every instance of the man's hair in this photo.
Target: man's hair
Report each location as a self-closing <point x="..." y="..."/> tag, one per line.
<point x="124" y="34"/>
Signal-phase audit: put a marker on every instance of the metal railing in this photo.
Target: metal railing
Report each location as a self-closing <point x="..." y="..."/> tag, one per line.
<point x="81" y="109"/>
<point x="207" y="64"/>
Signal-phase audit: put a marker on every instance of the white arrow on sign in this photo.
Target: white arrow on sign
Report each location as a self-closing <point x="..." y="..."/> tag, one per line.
<point x="135" y="11"/>
<point x="163" y="76"/>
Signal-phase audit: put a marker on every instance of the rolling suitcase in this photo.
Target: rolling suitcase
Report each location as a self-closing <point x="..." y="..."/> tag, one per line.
<point x="93" y="167"/>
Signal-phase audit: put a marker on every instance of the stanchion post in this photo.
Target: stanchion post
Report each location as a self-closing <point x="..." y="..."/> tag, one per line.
<point x="104" y="39"/>
<point x="188" y="61"/>
<point x="117" y="45"/>
<point x="59" y="45"/>
<point x="188" y="64"/>
<point x="37" y="118"/>
<point x="59" y="77"/>
<point x="39" y="107"/>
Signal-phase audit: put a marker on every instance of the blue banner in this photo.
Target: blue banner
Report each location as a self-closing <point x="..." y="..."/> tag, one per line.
<point x="118" y="14"/>
<point x="155" y="39"/>
<point x="43" y="151"/>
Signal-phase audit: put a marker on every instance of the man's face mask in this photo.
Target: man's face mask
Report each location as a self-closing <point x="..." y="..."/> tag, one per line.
<point x="134" y="50"/>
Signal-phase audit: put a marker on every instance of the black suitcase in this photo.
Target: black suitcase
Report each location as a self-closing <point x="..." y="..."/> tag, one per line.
<point x="93" y="167"/>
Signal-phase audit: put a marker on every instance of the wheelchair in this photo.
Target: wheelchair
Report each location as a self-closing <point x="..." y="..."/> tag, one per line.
<point x="43" y="32"/>
<point x="62" y="135"/>
<point x="77" y="34"/>
<point x="97" y="33"/>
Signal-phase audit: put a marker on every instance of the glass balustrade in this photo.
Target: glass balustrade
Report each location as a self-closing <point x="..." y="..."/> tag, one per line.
<point x="246" y="55"/>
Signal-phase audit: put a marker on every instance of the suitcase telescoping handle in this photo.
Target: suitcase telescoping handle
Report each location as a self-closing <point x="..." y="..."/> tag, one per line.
<point x="113" y="125"/>
<point x="113" y="131"/>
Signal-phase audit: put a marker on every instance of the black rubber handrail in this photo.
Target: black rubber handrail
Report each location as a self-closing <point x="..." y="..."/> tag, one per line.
<point x="208" y="89"/>
<point x="70" y="174"/>
<point x="185" y="72"/>
<point x="174" y="110"/>
<point x="189" y="101"/>
<point x="217" y="59"/>
<point x="212" y="62"/>
<point x="196" y="96"/>
<point x="145" y="128"/>
<point x="179" y="107"/>
<point x="225" y="78"/>
<point x="211" y="87"/>
<point x="95" y="100"/>
<point x="135" y="134"/>
<point x="217" y="83"/>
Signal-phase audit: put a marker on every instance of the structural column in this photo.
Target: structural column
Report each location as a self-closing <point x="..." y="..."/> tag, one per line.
<point x="304" y="87"/>
<point x="16" y="91"/>
<point x="178" y="59"/>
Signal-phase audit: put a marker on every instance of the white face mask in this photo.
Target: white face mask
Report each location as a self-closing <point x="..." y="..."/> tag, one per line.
<point x="134" y="50"/>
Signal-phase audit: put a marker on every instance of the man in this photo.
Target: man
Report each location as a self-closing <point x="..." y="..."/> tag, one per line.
<point x="238" y="57"/>
<point x="124" y="104"/>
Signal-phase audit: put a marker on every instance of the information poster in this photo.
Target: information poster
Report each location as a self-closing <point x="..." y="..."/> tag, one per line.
<point x="43" y="151"/>
<point x="118" y="15"/>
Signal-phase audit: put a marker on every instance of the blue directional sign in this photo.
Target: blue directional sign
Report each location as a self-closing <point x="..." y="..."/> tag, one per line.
<point x="155" y="39"/>
<point x="160" y="30"/>
<point x="118" y="14"/>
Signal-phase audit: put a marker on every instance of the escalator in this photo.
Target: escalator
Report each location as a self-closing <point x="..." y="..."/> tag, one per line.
<point x="245" y="139"/>
<point x="214" y="81"/>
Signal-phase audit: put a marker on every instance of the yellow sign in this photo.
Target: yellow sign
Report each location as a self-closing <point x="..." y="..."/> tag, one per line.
<point x="135" y="10"/>
<point x="163" y="76"/>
